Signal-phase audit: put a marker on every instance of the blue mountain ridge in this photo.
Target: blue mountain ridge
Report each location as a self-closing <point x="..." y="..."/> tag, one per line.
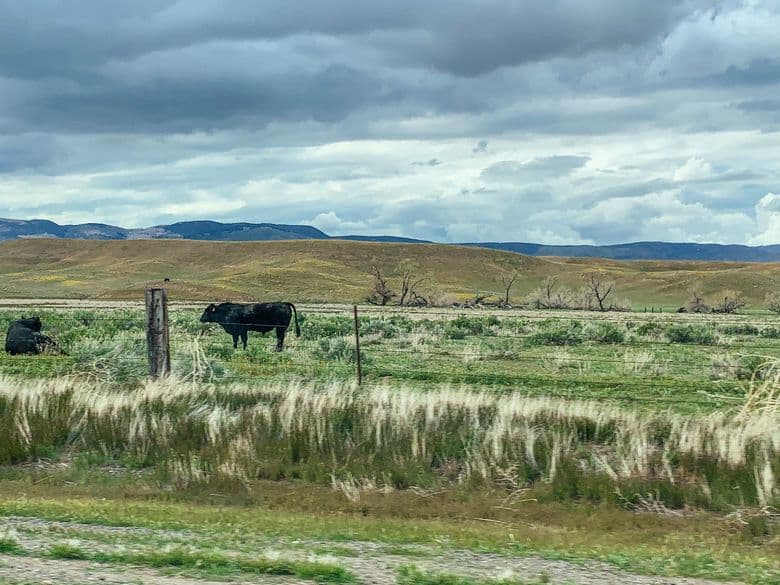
<point x="242" y="231"/>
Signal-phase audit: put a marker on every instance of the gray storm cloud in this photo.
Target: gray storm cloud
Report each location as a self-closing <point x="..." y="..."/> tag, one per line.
<point x="517" y="120"/>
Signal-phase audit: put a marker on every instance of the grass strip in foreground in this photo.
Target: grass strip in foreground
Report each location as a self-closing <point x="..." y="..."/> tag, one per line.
<point x="209" y="563"/>
<point x="644" y="544"/>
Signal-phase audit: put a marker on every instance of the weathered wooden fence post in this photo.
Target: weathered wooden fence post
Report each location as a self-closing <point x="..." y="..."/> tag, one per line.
<point x="159" y="349"/>
<point x="357" y="347"/>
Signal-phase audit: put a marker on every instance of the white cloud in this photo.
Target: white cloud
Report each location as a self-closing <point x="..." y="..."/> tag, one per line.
<point x="767" y="220"/>
<point x="694" y="168"/>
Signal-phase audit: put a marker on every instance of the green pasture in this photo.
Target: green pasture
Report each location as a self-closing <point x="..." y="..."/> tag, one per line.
<point x="686" y="362"/>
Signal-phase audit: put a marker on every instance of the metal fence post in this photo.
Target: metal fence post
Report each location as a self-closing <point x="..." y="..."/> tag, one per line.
<point x="357" y="347"/>
<point x="157" y="340"/>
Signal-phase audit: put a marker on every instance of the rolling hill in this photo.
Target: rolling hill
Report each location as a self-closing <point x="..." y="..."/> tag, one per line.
<point x="249" y="232"/>
<point x="337" y="271"/>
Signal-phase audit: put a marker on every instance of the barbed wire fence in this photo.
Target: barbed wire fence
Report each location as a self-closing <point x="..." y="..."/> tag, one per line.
<point x="352" y="345"/>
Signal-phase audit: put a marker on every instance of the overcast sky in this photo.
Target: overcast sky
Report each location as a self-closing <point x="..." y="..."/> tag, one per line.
<point x="556" y="121"/>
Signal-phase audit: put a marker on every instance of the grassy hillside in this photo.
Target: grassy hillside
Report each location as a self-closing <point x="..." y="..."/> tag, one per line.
<point x="336" y="271"/>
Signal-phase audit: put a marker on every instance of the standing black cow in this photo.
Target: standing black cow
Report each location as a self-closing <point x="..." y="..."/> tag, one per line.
<point x="240" y="318"/>
<point x="24" y="337"/>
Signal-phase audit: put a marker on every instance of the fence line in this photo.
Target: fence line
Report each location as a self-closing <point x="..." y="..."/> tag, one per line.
<point x="133" y="320"/>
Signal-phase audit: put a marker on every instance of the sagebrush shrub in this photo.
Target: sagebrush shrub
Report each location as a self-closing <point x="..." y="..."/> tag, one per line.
<point x="699" y="334"/>
<point x="560" y="334"/>
<point x="604" y="333"/>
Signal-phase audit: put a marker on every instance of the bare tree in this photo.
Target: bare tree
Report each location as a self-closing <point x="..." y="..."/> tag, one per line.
<point x="772" y="301"/>
<point x="419" y="300"/>
<point x="696" y="303"/>
<point x="409" y="281"/>
<point x="586" y="299"/>
<point x="600" y="290"/>
<point x="508" y="280"/>
<point x="548" y="286"/>
<point x="729" y="301"/>
<point x="381" y="293"/>
<point x="477" y="301"/>
<point x="550" y="296"/>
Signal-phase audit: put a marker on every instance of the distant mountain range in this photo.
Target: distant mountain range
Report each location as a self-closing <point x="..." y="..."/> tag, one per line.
<point x="646" y="251"/>
<point x="212" y="230"/>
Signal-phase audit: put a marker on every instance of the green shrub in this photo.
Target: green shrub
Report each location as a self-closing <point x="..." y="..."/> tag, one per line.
<point x="700" y="334"/>
<point x="386" y="329"/>
<point x="649" y="328"/>
<point x="770" y="333"/>
<point x="740" y="329"/>
<point x="472" y="325"/>
<point x="559" y="334"/>
<point x="319" y="326"/>
<point x="604" y="333"/>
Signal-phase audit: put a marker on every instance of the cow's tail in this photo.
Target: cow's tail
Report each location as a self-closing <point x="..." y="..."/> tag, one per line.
<point x="297" y="327"/>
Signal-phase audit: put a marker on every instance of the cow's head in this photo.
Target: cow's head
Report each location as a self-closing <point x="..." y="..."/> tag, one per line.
<point x="33" y="322"/>
<point x="209" y="314"/>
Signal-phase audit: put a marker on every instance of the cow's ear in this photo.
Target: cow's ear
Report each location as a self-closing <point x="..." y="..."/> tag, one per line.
<point x="212" y="307"/>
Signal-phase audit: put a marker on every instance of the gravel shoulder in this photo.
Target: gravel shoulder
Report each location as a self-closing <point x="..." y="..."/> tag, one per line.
<point x="372" y="563"/>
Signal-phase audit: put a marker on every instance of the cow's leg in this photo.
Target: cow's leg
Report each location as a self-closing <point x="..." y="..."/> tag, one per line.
<point x="280" y="338"/>
<point x="235" y="340"/>
<point x="243" y="338"/>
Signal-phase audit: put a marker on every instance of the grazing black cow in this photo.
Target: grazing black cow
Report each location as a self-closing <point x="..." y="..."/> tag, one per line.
<point x="24" y="337"/>
<point x="240" y="318"/>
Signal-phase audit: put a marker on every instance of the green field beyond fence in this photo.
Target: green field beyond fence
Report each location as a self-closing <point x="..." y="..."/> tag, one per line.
<point x="680" y="362"/>
<point x="603" y="407"/>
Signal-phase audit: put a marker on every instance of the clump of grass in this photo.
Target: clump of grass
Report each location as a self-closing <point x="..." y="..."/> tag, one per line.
<point x="340" y="349"/>
<point x="9" y="544"/>
<point x="411" y="575"/>
<point x="724" y="366"/>
<point x="639" y="362"/>
<point x="68" y="551"/>
<point x="192" y="362"/>
<point x="119" y="358"/>
<point x="763" y="394"/>
<point x="208" y="562"/>
<point x="212" y="562"/>
<point x="742" y="367"/>
<point x="562" y="360"/>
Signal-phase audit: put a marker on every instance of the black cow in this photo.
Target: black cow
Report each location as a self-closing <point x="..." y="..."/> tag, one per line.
<point x="24" y="337"/>
<point x="240" y="318"/>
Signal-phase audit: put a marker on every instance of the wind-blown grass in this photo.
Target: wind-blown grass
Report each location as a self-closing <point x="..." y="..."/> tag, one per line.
<point x="398" y="438"/>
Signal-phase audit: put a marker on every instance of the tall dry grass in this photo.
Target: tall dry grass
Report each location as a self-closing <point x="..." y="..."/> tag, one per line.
<point x="402" y="437"/>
